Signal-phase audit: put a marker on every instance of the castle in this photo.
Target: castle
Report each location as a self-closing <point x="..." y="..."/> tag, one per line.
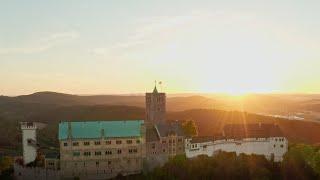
<point x="259" y="139"/>
<point x="105" y="149"/>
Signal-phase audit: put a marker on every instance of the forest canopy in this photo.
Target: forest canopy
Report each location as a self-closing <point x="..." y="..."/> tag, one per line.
<point x="300" y="162"/>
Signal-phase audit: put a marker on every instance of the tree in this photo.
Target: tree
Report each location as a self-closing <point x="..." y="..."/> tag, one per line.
<point x="298" y="162"/>
<point x="190" y="128"/>
<point x="6" y="162"/>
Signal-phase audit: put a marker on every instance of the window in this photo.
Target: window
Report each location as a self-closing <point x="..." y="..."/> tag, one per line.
<point x="118" y="142"/>
<point x="108" y="142"/>
<point x="119" y="151"/>
<point x="274" y="145"/>
<point x="97" y="163"/>
<point x="133" y="151"/>
<point x="281" y="145"/>
<point x="138" y="141"/>
<point x="75" y="144"/>
<point x="153" y="146"/>
<point x="86" y="143"/>
<point x="76" y="153"/>
<point x="173" y="141"/>
<point x="129" y="141"/>
<point x="108" y="152"/>
<point x="97" y="153"/>
<point x="276" y="139"/>
<point x="163" y="142"/>
<point x="163" y="150"/>
<point x="109" y="162"/>
<point x="180" y="140"/>
<point x="97" y="143"/>
<point x="87" y="153"/>
<point x="65" y="144"/>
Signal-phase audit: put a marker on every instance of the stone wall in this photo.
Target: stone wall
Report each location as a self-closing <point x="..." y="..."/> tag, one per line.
<point x="34" y="173"/>
<point x="273" y="147"/>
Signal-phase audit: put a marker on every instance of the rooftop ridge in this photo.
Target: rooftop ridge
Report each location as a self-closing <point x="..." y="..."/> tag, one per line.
<point x="98" y="129"/>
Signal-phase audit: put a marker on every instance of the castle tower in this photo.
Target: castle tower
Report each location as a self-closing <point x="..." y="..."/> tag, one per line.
<point x="155" y="106"/>
<point x="29" y="141"/>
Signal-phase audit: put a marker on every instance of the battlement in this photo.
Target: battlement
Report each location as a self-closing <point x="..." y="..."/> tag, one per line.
<point x="28" y="125"/>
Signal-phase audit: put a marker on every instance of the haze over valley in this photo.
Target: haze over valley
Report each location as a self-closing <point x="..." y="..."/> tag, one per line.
<point x="210" y="112"/>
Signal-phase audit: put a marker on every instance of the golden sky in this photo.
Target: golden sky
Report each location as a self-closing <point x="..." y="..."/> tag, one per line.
<point x="112" y="47"/>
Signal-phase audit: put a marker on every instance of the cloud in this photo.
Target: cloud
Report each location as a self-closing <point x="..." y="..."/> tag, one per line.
<point x="61" y="36"/>
<point x="200" y="33"/>
<point x="42" y="44"/>
<point x="154" y="30"/>
<point x="116" y="47"/>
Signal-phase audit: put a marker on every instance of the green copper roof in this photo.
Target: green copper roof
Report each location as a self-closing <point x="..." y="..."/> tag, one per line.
<point x="98" y="129"/>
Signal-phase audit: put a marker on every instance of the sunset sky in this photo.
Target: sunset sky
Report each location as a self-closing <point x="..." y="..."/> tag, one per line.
<point x="107" y="47"/>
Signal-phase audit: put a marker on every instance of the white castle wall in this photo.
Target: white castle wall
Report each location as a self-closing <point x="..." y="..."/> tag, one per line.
<point x="197" y="149"/>
<point x="273" y="146"/>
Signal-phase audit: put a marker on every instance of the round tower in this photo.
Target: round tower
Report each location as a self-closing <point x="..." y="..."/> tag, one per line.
<point x="29" y="141"/>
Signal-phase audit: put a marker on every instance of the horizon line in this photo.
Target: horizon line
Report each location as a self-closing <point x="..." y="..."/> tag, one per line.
<point x="169" y="94"/>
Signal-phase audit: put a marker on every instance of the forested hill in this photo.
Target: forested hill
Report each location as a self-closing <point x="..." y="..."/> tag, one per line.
<point x="209" y="122"/>
<point x="256" y="103"/>
<point x="52" y="107"/>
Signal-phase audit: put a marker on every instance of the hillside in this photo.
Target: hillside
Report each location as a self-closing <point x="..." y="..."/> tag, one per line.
<point x="209" y="122"/>
<point x="210" y="112"/>
<point x="212" y="121"/>
<point x="257" y="103"/>
<point x="61" y="99"/>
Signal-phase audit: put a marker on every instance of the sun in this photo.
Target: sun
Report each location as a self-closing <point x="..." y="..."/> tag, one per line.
<point x="237" y="92"/>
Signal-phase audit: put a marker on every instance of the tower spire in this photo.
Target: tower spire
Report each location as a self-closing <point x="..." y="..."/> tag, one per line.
<point x="155" y="87"/>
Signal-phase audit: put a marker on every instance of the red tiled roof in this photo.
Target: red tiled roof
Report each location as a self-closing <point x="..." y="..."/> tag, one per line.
<point x="201" y="139"/>
<point x="238" y="131"/>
